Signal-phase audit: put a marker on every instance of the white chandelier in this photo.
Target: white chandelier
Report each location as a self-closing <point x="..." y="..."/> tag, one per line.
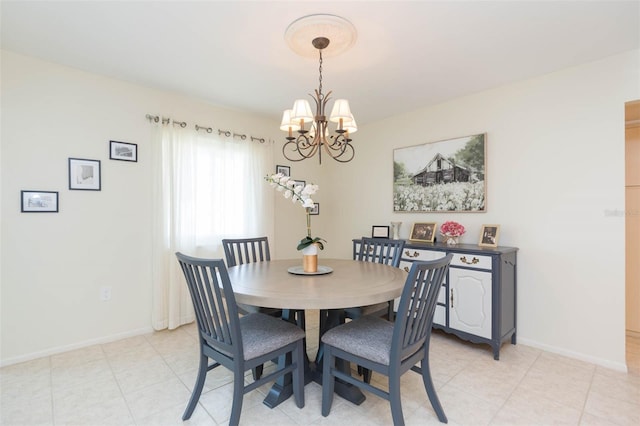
<point x="313" y="135"/>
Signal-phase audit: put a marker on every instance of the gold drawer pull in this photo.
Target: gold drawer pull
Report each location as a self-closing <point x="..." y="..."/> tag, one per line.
<point x="475" y="260"/>
<point x="406" y="268"/>
<point x="415" y="253"/>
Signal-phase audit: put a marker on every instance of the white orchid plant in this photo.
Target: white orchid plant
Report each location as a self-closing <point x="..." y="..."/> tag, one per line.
<point x="298" y="193"/>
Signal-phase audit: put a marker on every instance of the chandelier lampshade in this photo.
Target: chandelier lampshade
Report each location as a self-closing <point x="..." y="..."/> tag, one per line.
<point x="351" y="126"/>
<point x="287" y="122"/>
<point x="341" y="111"/>
<point x="302" y="111"/>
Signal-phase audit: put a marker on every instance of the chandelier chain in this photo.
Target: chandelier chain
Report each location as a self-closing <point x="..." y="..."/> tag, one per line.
<point x="320" y="73"/>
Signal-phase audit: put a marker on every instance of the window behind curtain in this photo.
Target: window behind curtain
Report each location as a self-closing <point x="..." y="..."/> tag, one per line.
<point x="230" y="190"/>
<point x="206" y="188"/>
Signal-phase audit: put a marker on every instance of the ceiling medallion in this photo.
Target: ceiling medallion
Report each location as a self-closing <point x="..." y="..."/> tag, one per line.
<point x="300" y="33"/>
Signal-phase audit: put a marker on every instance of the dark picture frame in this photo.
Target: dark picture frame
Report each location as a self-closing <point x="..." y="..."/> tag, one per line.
<point x="378" y="231"/>
<point x="441" y="177"/>
<point x="285" y="170"/>
<point x="123" y="151"/>
<point x="423" y="231"/>
<point x="299" y="182"/>
<point x="84" y="174"/>
<point x="315" y="210"/>
<point x="39" y="201"/>
<point x="489" y="236"/>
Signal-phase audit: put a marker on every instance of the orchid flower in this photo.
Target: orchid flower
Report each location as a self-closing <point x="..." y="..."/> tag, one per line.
<point x="302" y="194"/>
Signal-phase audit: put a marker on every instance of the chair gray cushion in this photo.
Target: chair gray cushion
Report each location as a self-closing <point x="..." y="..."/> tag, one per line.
<point x="367" y="337"/>
<point x="262" y="334"/>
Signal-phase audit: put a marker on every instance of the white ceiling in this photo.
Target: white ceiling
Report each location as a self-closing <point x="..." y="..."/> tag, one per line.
<point x="408" y="54"/>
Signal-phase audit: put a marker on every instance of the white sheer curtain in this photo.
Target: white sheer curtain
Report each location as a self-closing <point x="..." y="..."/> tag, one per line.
<point x="205" y="188"/>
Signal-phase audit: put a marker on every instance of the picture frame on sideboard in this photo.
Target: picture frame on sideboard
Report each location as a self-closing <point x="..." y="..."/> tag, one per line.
<point x="489" y="236"/>
<point x="379" y="231"/>
<point x="423" y="232"/>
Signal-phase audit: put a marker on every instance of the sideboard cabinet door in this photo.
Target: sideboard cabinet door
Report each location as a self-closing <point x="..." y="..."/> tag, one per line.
<point x="470" y="301"/>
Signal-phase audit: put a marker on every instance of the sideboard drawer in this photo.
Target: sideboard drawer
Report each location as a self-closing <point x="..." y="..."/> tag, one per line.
<point x="417" y="254"/>
<point x="405" y="265"/>
<point x="471" y="260"/>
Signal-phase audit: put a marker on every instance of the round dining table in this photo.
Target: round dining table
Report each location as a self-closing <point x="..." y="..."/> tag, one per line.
<point x="338" y="284"/>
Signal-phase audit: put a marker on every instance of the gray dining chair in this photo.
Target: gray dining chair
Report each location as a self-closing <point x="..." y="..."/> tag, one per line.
<point x="378" y="250"/>
<point x="248" y="250"/>
<point x="390" y="349"/>
<point x="236" y="342"/>
<point x="239" y="251"/>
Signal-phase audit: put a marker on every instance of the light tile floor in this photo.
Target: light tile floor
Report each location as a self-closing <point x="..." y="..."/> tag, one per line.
<point x="147" y="380"/>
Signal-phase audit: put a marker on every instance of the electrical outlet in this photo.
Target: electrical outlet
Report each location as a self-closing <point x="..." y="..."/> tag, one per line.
<point x="105" y="293"/>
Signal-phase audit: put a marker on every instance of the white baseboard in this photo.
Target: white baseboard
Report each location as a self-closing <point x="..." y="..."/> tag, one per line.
<point x="622" y="367"/>
<point x="79" y="345"/>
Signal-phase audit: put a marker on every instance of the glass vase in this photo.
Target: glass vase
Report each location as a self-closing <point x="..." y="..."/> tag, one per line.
<point x="395" y="226"/>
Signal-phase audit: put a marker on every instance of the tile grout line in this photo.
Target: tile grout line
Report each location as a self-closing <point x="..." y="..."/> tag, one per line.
<point x="514" y="388"/>
<point x="115" y="378"/>
<point x="584" y="404"/>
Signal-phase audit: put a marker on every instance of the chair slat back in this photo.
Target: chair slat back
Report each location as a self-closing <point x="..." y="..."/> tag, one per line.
<point x="213" y="302"/>
<point x="417" y="306"/>
<point x="381" y="250"/>
<point x="246" y="250"/>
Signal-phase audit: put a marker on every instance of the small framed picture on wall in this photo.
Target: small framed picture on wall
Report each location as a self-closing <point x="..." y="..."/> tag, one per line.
<point x="84" y="174"/>
<point x="123" y="151"/>
<point x="285" y="170"/>
<point x="489" y="235"/>
<point x="39" y="201"/>
<point x="315" y="210"/>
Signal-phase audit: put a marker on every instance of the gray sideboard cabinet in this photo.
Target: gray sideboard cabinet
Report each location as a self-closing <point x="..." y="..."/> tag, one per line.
<point x="477" y="302"/>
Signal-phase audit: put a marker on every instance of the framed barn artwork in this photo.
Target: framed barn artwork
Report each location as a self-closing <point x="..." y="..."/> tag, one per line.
<point x="440" y="177"/>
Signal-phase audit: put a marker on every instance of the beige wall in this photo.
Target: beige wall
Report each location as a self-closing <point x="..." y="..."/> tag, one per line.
<point x="53" y="265"/>
<point x="555" y="152"/>
<point x="555" y="170"/>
